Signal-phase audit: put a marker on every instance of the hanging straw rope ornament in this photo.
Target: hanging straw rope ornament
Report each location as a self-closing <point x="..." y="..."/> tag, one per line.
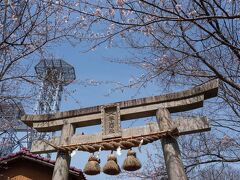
<point x="92" y="167"/>
<point x="131" y="163"/>
<point x="124" y="143"/>
<point x="111" y="167"/>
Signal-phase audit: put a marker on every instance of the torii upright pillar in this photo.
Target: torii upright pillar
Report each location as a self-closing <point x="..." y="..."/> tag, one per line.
<point x="61" y="168"/>
<point x="171" y="152"/>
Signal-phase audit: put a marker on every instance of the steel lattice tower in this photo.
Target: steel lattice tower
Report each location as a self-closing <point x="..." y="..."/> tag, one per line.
<point x="54" y="74"/>
<point x="10" y="125"/>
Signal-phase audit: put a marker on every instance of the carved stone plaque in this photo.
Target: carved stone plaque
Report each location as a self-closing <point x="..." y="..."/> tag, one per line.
<point x="111" y="123"/>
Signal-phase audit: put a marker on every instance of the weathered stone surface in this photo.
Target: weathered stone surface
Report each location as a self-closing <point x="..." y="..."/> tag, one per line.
<point x="185" y="125"/>
<point x="110" y="121"/>
<point x="125" y="114"/>
<point x="171" y="151"/>
<point x="208" y="90"/>
<point x="61" y="168"/>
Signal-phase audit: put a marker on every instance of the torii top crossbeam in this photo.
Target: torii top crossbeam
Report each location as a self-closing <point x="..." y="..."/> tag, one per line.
<point x="131" y="109"/>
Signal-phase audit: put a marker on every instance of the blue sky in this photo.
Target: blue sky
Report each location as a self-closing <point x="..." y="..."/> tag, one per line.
<point x="93" y="65"/>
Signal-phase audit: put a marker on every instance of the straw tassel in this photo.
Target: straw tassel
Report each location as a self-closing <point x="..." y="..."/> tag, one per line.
<point x="131" y="163"/>
<point x="111" y="167"/>
<point x="92" y="167"/>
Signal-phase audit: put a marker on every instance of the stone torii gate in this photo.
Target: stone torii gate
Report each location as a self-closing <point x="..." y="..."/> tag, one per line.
<point x="113" y="136"/>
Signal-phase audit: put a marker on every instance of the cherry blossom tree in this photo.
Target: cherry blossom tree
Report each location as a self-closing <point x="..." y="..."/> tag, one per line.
<point x="28" y="28"/>
<point x="178" y="44"/>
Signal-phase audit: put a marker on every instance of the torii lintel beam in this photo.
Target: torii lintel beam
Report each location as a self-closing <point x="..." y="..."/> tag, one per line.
<point x="131" y="109"/>
<point x="185" y="125"/>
